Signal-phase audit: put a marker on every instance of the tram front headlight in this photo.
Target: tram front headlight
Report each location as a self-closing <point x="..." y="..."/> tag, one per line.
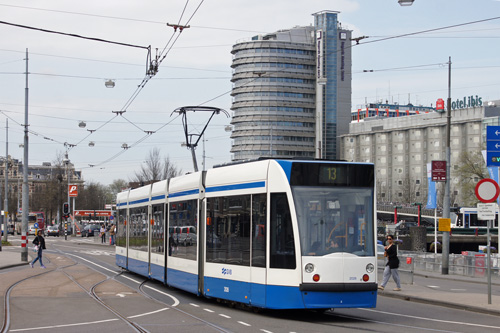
<point x="370" y="268"/>
<point x="309" y="268"/>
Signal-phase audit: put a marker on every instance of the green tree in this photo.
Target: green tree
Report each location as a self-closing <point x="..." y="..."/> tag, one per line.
<point x="471" y="169"/>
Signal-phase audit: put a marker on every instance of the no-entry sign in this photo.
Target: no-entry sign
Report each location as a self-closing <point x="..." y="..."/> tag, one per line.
<point x="487" y="190"/>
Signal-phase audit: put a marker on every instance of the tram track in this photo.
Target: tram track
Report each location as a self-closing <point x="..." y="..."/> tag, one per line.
<point x="92" y="293"/>
<point x="6" y="318"/>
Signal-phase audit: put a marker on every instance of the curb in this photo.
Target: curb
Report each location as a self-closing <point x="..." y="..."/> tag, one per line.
<point x="441" y="303"/>
<point x="14" y="265"/>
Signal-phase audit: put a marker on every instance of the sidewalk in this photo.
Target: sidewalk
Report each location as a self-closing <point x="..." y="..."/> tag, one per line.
<point x="465" y="301"/>
<point x="11" y="257"/>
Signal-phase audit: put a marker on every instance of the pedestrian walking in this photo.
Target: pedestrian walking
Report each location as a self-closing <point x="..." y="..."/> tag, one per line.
<point x="40" y="242"/>
<point x="112" y="231"/>
<point x="103" y="234"/>
<point x="392" y="265"/>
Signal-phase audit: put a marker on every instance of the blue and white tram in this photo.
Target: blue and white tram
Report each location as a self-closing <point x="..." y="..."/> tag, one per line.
<point x="277" y="234"/>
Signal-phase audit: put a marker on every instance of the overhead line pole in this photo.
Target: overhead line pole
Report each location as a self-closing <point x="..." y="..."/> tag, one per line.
<point x="446" y="199"/>
<point x="25" y="203"/>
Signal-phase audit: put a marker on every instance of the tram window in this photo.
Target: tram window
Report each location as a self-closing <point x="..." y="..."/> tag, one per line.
<point x="282" y="253"/>
<point x="228" y="230"/>
<point x="336" y="219"/>
<point x="157" y="228"/>
<point x="259" y="230"/>
<point x="475" y="222"/>
<point x="183" y="218"/>
<point x="121" y="228"/>
<point x="138" y="228"/>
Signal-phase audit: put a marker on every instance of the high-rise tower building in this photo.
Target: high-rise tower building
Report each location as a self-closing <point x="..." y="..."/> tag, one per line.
<point x="292" y="91"/>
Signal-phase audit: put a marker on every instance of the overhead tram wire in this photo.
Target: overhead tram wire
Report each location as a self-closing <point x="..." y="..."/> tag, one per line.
<point x="150" y="72"/>
<point x="123" y="18"/>
<point x="74" y="35"/>
<point x="148" y="134"/>
<point x="154" y="66"/>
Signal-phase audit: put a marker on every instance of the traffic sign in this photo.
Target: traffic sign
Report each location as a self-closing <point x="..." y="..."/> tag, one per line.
<point x="492" y="145"/>
<point x="438" y="171"/>
<point x="36" y="225"/>
<point x="487" y="190"/>
<point x="486" y="211"/>
<point x="73" y="191"/>
<point x="444" y="224"/>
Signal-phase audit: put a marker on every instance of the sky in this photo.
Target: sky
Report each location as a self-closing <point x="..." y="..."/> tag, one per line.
<point x="403" y="59"/>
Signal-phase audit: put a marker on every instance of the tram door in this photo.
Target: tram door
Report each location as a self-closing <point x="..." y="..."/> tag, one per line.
<point x="258" y="277"/>
<point x="150" y="222"/>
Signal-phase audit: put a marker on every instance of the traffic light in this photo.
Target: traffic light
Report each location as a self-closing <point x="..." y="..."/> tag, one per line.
<point x="65" y="208"/>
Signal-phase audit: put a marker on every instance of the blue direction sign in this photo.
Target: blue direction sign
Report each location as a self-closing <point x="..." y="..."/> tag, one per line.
<point x="36" y="225"/>
<point x="493" y="146"/>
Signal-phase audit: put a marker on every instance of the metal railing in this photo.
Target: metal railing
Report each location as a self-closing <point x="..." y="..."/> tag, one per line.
<point x="473" y="264"/>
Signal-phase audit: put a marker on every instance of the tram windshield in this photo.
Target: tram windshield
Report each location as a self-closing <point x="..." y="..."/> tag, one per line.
<point x="335" y="219"/>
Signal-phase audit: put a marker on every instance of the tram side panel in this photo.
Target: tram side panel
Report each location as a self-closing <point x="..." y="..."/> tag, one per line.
<point x="137" y="227"/>
<point x="182" y="242"/>
<point x="284" y="265"/>
<point x="235" y="258"/>
<point x="157" y="232"/>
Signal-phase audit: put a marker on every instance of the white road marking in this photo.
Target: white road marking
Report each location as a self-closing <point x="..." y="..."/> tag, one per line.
<point x="225" y="316"/>
<point x="176" y="301"/>
<point x="67" y="325"/>
<point x="458" y="289"/>
<point x="147" y="313"/>
<point x="208" y="310"/>
<point x="431" y="319"/>
<point x="243" y="323"/>
<point x="434" y="287"/>
<point x="195" y="305"/>
<point x="93" y="263"/>
<point x="265" y="331"/>
<point x="85" y="323"/>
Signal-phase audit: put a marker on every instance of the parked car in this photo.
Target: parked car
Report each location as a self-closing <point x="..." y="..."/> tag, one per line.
<point x="53" y="230"/>
<point x="90" y="230"/>
<point x="32" y="230"/>
<point x="187" y="236"/>
<point x="10" y="229"/>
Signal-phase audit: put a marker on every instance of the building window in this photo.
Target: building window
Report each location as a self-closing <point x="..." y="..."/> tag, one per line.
<point x="417" y="194"/>
<point x="417" y="181"/>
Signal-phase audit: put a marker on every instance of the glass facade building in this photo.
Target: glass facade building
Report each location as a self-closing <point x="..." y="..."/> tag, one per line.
<point x="275" y="101"/>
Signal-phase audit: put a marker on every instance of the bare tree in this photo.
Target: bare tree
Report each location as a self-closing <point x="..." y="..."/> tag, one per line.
<point x="154" y="169"/>
<point x="117" y="186"/>
<point x="170" y="170"/>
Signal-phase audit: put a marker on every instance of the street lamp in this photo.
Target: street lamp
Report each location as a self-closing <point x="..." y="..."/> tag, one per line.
<point x="109" y="84"/>
<point x="405" y="2"/>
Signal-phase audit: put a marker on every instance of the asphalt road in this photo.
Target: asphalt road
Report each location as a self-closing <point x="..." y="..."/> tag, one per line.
<point x="60" y="300"/>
